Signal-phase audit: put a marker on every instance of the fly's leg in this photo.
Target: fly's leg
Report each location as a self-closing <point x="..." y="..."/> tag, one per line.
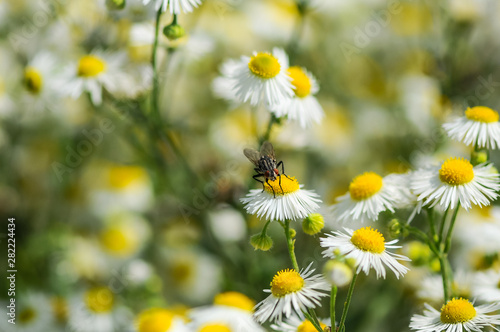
<point x="262" y="182"/>
<point x="279" y="181"/>
<point x="274" y="194"/>
<point x="282" y="169"/>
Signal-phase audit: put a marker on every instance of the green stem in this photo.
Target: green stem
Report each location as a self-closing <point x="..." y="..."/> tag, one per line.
<point x="347" y="303"/>
<point x="450" y="230"/>
<point x="443" y="261"/>
<point x="291" y="245"/>
<point x="425" y="238"/>
<point x="297" y="32"/>
<point x="314" y="321"/>
<point x="333" y="298"/>
<point x="432" y="226"/>
<point x="156" y="88"/>
<point x="441" y="227"/>
<point x="267" y="134"/>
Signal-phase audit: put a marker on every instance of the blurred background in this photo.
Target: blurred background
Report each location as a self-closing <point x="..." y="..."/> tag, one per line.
<point x="102" y="201"/>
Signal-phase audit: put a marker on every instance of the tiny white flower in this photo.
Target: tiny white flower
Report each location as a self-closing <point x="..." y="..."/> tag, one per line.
<point x="291" y="292"/>
<point x="175" y="6"/>
<point x="456" y="181"/>
<point x="456" y="315"/>
<point x="368" y="248"/>
<point x="479" y="127"/>
<point x="303" y="107"/>
<point x="282" y="199"/>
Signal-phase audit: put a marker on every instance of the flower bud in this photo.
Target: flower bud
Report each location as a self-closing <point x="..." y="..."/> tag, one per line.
<point x="337" y="273"/>
<point x="479" y="157"/>
<point x="261" y="241"/>
<point x="313" y="224"/>
<point x="115" y="4"/>
<point x="174" y="31"/>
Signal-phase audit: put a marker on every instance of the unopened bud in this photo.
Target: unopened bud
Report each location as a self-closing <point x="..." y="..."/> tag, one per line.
<point x="337" y="273"/>
<point x="174" y="31"/>
<point x="479" y="157"/>
<point x="313" y="224"/>
<point x="261" y="242"/>
<point x="293" y="233"/>
<point x="395" y="228"/>
<point x="115" y="4"/>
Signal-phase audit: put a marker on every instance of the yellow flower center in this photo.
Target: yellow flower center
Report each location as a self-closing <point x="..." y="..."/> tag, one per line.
<point x="215" y="328"/>
<point x="288" y="185"/>
<point x="368" y="239"/>
<point x="91" y="66"/>
<point x="286" y="282"/>
<point x="27" y="315"/>
<point x="33" y="80"/>
<point x="118" y="242"/>
<point x="235" y="299"/>
<point x="481" y="114"/>
<point x="307" y="326"/>
<point x="457" y="311"/>
<point x="301" y="83"/>
<point x="121" y="177"/>
<point x="456" y="171"/>
<point x="365" y="185"/>
<point x="99" y="299"/>
<point x="264" y="65"/>
<point x="154" y="320"/>
<point x="60" y="309"/>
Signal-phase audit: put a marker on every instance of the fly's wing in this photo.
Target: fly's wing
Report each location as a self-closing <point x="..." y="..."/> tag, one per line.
<point x="267" y="150"/>
<point x="252" y="155"/>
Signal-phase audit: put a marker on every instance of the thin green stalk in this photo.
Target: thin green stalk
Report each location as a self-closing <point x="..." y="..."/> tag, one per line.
<point x="450" y="230"/>
<point x="313" y="321"/>
<point x="347" y="303"/>
<point x="432" y="226"/>
<point x="267" y="134"/>
<point x="425" y="238"/>
<point x="291" y="245"/>
<point x="333" y="298"/>
<point x="443" y="261"/>
<point x="156" y="88"/>
<point x="441" y="227"/>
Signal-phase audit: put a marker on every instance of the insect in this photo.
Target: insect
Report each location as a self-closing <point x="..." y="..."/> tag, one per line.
<point x="265" y="160"/>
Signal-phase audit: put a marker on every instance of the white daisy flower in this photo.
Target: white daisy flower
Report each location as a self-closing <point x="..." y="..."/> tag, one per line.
<point x="291" y="292"/>
<point x="96" y="311"/>
<point x="41" y="81"/>
<point x="94" y="72"/>
<point x="369" y="194"/>
<point x="294" y="324"/>
<point x="456" y="315"/>
<point x="282" y="199"/>
<point x="368" y="248"/>
<point x="176" y="6"/>
<point x="486" y="286"/>
<point x="479" y="127"/>
<point x="303" y="107"/>
<point x="232" y="311"/>
<point x="431" y="287"/>
<point x="159" y="320"/>
<point x="32" y="314"/>
<point x="456" y="181"/>
<point x="261" y="78"/>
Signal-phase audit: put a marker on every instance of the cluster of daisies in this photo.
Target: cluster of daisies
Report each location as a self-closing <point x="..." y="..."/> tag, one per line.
<point x="456" y="183"/>
<point x="266" y="79"/>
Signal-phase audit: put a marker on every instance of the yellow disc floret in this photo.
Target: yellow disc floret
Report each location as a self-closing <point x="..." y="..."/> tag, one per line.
<point x="235" y="299"/>
<point x="368" y="239"/>
<point x="27" y="315"/>
<point x="264" y="65"/>
<point x="300" y="81"/>
<point x="457" y="311"/>
<point x="286" y="282"/>
<point x="121" y="176"/>
<point x="119" y="241"/>
<point x="99" y="299"/>
<point x="33" y="80"/>
<point x="307" y="326"/>
<point x="365" y="185"/>
<point x="91" y="66"/>
<point x="215" y="328"/>
<point x="154" y="320"/>
<point x="481" y="114"/>
<point x="456" y="171"/>
<point x="288" y="185"/>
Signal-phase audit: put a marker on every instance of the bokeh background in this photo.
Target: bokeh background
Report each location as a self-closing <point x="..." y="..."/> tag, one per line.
<point x="101" y="201"/>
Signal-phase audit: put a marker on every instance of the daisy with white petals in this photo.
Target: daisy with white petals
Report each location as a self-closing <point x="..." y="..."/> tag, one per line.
<point x="291" y="292"/>
<point x="369" y="194"/>
<point x="479" y="127"/>
<point x="175" y="6"/>
<point x="159" y="320"/>
<point x="368" y="248"/>
<point x="261" y="78"/>
<point x="94" y="72"/>
<point x="282" y="199"/>
<point x="303" y="107"/>
<point x="456" y="315"/>
<point x="486" y="286"/>
<point x="456" y="181"/>
<point x="294" y="324"/>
